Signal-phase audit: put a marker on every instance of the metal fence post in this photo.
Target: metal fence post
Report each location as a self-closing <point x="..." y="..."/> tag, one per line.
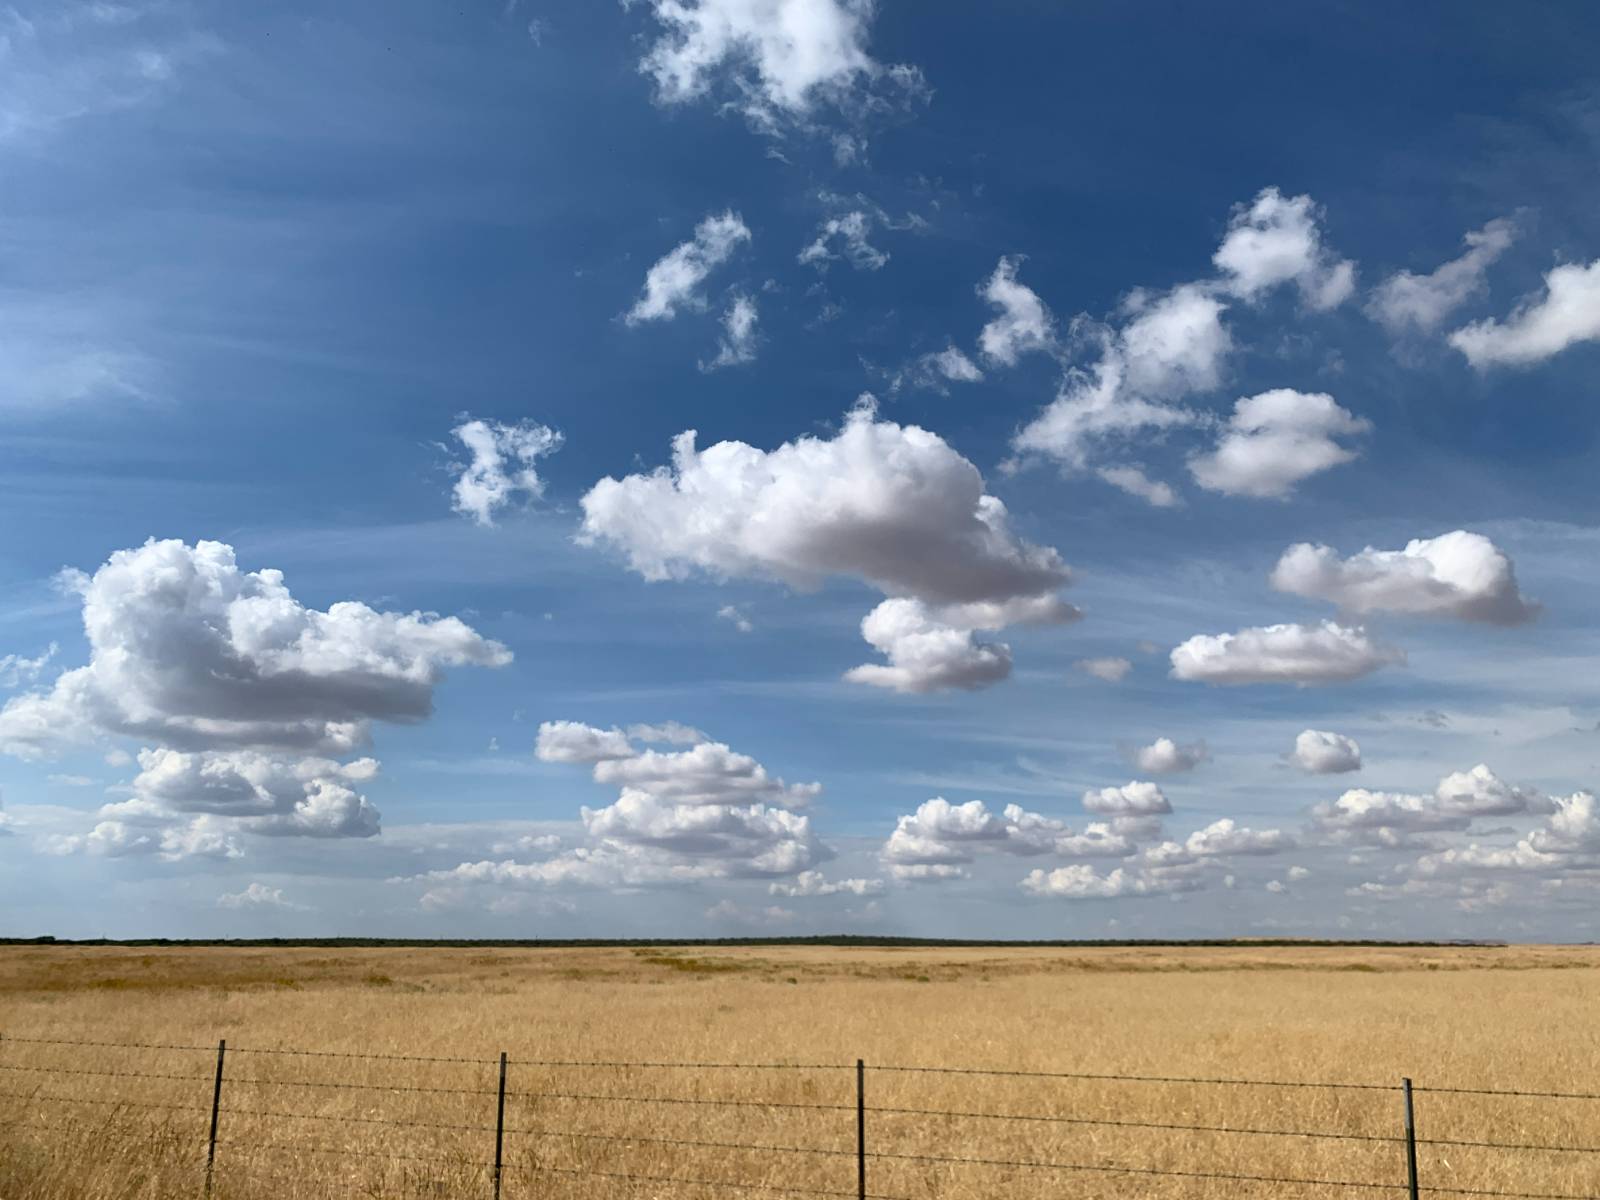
<point x="500" y="1126"/>
<point x="216" y="1110"/>
<point x="861" y="1130"/>
<point x="1411" y="1142"/>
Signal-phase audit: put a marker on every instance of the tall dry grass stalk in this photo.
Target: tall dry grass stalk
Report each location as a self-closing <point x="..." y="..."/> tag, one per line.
<point x="312" y="1126"/>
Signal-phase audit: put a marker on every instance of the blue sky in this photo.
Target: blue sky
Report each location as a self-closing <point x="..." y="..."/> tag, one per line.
<point x="1046" y="336"/>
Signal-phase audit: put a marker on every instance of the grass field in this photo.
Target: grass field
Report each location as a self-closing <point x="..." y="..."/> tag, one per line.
<point x="1520" y="1018"/>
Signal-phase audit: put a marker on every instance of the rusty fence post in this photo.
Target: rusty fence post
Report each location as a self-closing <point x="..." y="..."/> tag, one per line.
<point x="500" y="1127"/>
<point x="216" y="1111"/>
<point x="861" y="1130"/>
<point x="1411" y="1142"/>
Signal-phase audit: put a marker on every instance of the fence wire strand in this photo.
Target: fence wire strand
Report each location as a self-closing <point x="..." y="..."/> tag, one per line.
<point x="1211" y="1082"/>
<point x="716" y="1183"/>
<point x="104" y="1074"/>
<point x="29" y="1041"/>
<point x="414" y="1058"/>
<point x="884" y="1156"/>
<point x="1163" y="1125"/>
<point x="598" y="1096"/>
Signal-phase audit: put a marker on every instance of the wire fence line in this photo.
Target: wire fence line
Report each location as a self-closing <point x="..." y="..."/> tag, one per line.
<point x="493" y="1155"/>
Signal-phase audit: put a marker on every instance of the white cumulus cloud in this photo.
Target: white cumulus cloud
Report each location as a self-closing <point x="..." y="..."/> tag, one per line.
<point x="1166" y="757"/>
<point x="1299" y="654"/>
<point x="738" y="343"/>
<point x="1082" y="882"/>
<point x="815" y="883"/>
<point x="1319" y="752"/>
<point x="926" y="655"/>
<point x="1400" y="819"/>
<point x="502" y="465"/>
<point x="1420" y="303"/>
<point x="707" y="773"/>
<point x="674" y="281"/>
<point x="1137" y="798"/>
<point x="1022" y="323"/>
<point x="940" y="840"/>
<point x="892" y="505"/>
<point x="775" y="60"/>
<point x="1275" y="240"/>
<point x="1542" y="327"/>
<point x="188" y="650"/>
<point x="1162" y="346"/>
<point x="680" y="817"/>
<point x="1275" y="440"/>
<point x="1170" y="345"/>
<point x="258" y="896"/>
<point x="935" y="370"/>
<point x="1461" y="575"/>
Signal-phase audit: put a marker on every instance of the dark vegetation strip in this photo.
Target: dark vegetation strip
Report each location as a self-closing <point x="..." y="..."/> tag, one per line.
<point x="840" y="940"/>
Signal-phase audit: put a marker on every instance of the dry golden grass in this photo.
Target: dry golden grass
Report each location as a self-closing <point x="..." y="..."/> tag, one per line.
<point x="1520" y="1018"/>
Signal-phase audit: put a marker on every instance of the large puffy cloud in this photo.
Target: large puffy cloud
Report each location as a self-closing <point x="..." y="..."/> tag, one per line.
<point x="1275" y="440"/>
<point x="1162" y="869"/>
<point x="1408" y="302"/>
<point x="674" y="281"/>
<point x="264" y="793"/>
<point x="1319" y="752"/>
<point x="1386" y="818"/>
<point x="1569" y="841"/>
<point x="1134" y="799"/>
<point x="575" y="742"/>
<point x="1022" y="322"/>
<point x="1299" y="654"/>
<point x="941" y="839"/>
<point x="708" y="773"/>
<point x="137" y="829"/>
<point x="780" y="58"/>
<point x="1567" y="313"/>
<point x="1174" y="343"/>
<point x="729" y="840"/>
<point x="1482" y="793"/>
<point x="892" y="505"/>
<point x="1399" y="819"/>
<point x="1166" y="757"/>
<point x="1462" y="575"/>
<point x="1162" y="346"/>
<point x="1224" y="838"/>
<point x="200" y="805"/>
<point x="188" y="650"/>
<point x="926" y="655"/>
<point x="680" y="817"/>
<point x="1275" y="240"/>
<point x="502" y="465"/>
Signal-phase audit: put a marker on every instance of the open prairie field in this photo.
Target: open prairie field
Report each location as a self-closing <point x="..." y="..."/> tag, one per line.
<point x="1126" y="1032"/>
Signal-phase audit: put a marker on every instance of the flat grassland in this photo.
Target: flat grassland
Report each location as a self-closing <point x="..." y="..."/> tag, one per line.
<point x="302" y="1126"/>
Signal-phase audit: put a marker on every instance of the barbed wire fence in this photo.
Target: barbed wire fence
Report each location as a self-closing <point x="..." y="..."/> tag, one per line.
<point x="504" y="1126"/>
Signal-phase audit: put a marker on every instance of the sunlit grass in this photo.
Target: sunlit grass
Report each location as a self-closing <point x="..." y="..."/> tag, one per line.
<point x="1479" y="1017"/>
